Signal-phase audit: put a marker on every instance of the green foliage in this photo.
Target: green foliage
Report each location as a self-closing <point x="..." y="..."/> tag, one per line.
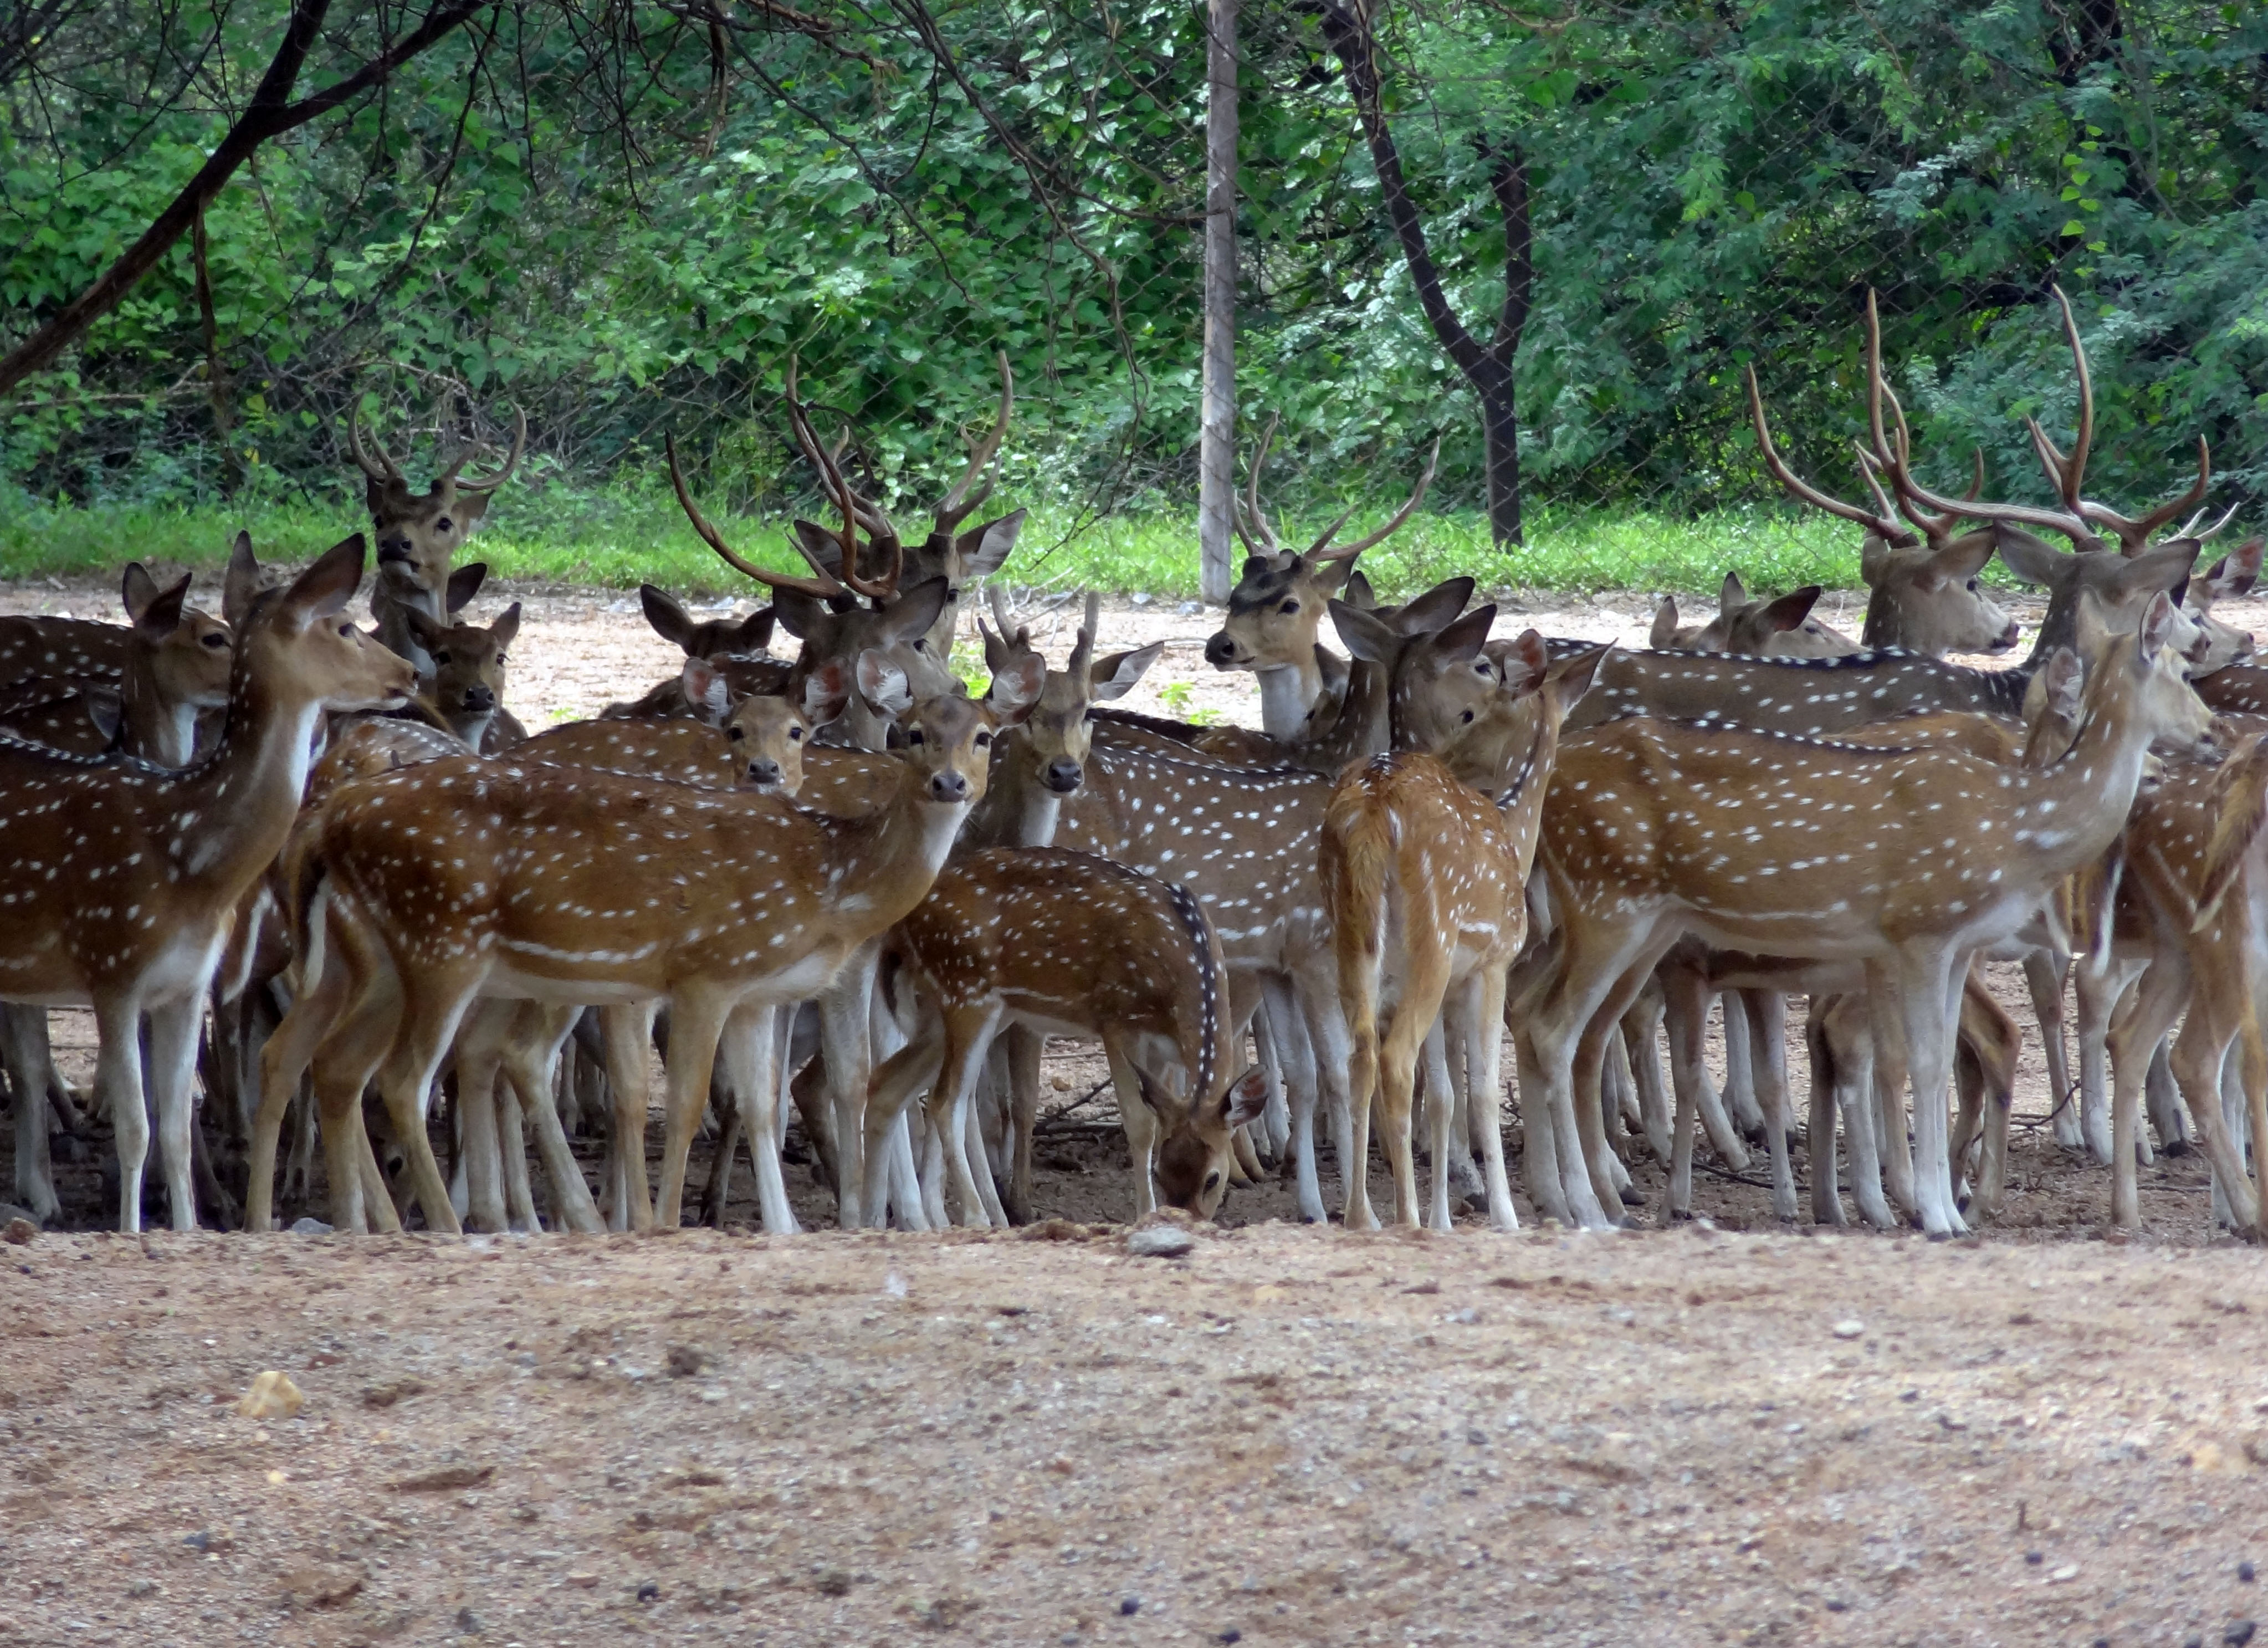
<point x="632" y="238"/>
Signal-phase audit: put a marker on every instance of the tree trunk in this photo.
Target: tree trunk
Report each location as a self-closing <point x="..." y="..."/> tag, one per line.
<point x="1217" y="426"/>
<point x="1500" y="424"/>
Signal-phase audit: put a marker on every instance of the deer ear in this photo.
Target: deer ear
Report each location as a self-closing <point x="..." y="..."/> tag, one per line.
<point x="1567" y="681"/>
<point x="983" y="548"/>
<point x="1663" y="633"/>
<point x="2236" y="572"/>
<point x="1874" y="559"/>
<point x="1463" y="639"/>
<point x="423" y="629"/>
<point x="325" y="587"/>
<point x="1436" y="608"/>
<point x="799" y="615"/>
<point x="2030" y="559"/>
<point x="1015" y="689"/>
<point x="1787" y="612"/>
<point x="1254" y="566"/>
<point x="507" y="626"/>
<point x="826" y="693"/>
<point x="821" y="548"/>
<point x="161" y="613"/>
<point x="242" y="582"/>
<point x="1333" y="575"/>
<point x="2156" y="570"/>
<point x="666" y="615"/>
<point x="755" y="633"/>
<point x="105" y="708"/>
<point x="2066" y="678"/>
<point x="1732" y="595"/>
<point x="882" y="684"/>
<point x="704" y="689"/>
<point x="1964" y="558"/>
<point x="1113" y="677"/>
<point x="464" y="584"/>
<point x="1246" y="1098"/>
<point x="913" y="612"/>
<point x="470" y="507"/>
<point x="1358" y="591"/>
<point x="1364" y="635"/>
<point x="2157" y="624"/>
<point x="1523" y="663"/>
<point x="137" y="589"/>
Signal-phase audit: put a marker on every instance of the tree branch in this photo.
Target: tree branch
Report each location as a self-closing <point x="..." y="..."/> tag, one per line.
<point x="270" y="114"/>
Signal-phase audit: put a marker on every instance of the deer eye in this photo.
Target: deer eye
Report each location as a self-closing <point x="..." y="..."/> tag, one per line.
<point x="735" y="734"/>
<point x="795" y="735"/>
<point x="1212" y="1179"/>
<point x="921" y="645"/>
<point x="440" y="657"/>
<point x="1466" y="717"/>
<point x="983" y="741"/>
<point x="444" y="525"/>
<point x="1289" y="606"/>
<point x="217" y="642"/>
<point x="347" y="629"/>
<point x="1972" y="586"/>
<point x="914" y="736"/>
<point x="503" y="658"/>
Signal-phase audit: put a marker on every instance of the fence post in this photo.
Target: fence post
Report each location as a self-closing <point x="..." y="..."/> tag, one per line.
<point x="1217" y="428"/>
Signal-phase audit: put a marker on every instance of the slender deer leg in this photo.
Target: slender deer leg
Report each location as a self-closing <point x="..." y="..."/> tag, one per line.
<point x="1685" y="1011"/>
<point x="628" y="1030"/>
<point x="1863" y="1110"/>
<point x="1276" y="1122"/>
<point x="488" y="1025"/>
<point x="845" y="1045"/>
<point x="1931" y="980"/>
<point x="696" y="1023"/>
<point x="1333" y="1048"/>
<point x="1767" y="1014"/>
<point x="1286" y="1029"/>
<point x="1486" y="1078"/>
<point x="1685" y="1005"/>
<point x="1022" y="1047"/>
<point x="2044" y="974"/>
<point x="913" y="1067"/>
<point x="284" y="1061"/>
<point x="528" y="1064"/>
<point x="1642" y="1041"/>
<point x="24" y="1046"/>
<point x="1893" y="1148"/>
<point x="1140" y="1121"/>
<point x="172" y="1067"/>
<point x="1585" y="1092"/>
<point x="1826" y="1080"/>
<point x="968" y="1033"/>
<point x="1535" y="980"/>
<point x="718" y="1191"/>
<point x="2168" y="1120"/>
<point x="2213" y="1022"/>
<point x="1740" y="1095"/>
<point x="974" y="1151"/>
<point x="118" y="1092"/>
<point x="433" y="1005"/>
<point x="2140" y="1022"/>
<point x="1441" y="1116"/>
<point x="753" y="1071"/>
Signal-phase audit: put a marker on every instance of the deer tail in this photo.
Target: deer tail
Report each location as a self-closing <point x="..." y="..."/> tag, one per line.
<point x="2243" y="783"/>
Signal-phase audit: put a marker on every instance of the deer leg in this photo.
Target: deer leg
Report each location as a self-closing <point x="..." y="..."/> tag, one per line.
<point x="718" y="1191"/>
<point x="1989" y="1039"/>
<point x="1598" y="955"/>
<point x="1642" y="1041"/>
<point x="1887" y="1028"/>
<point x="1141" y="1122"/>
<point x="913" y="1067"/>
<point x="697" y="1019"/>
<point x="845" y="1045"/>
<point x="969" y="1031"/>
<point x="1275" y="1120"/>
<point x="487" y="1025"/>
<point x="1332" y="1047"/>
<point x="750" y="1065"/>
<point x="1441" y="1118"/>
<point x="627" y="1030"/>
<point x="1281" y="1004"/>
<point x="1740" y="1094"/>
<point x="284" y="1061"/>
<point x="1022" y="1047"/>
<point x="1930" y="980"/>
<point x="1605" y="1169"/>
<point x="1853" y="1031"/>
<point x="24" y="1049"/>
<point x="2163" y="1096"/>
<point x="171" y="1066"/>
<point x="1485" y="1077"/>
<point x="1826" y="1202"/>
<point x="118" y="1091"/>
<point x="988" y="1099"/>
<point x="1686" y="1013"/>
<point x="1685" y="1008"/>
<point x="2139" y="1024"/>
<point x="2214" y="1019"/>
<point x="433" y="1006"/>
<point x="1766" y="1011"/>
<point x="528" y="1064"/>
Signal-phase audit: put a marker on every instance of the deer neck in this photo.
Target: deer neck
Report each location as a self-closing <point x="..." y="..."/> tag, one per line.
<point x="1017" y="809"/>
<point x="1287" y="693"/>
<point x="391" y="612"/>
<point x="231" y="813"/>
<point x="2097" y="780"/>
<point x="880" y="866"/>
<point x="163" y="734"/>
<point x="1364" y="725"/>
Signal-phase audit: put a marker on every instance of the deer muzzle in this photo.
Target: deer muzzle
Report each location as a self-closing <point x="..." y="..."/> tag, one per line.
<point x="1222" y="653"/>
<point x="1063" y="777"/>
<point x="948" y="786"/>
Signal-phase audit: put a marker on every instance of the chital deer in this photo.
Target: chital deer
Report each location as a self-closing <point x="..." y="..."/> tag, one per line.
<point x="1779" y="626"/>
<point x="418" y="534"/>
<point x="1425" y="883"/>
<point x="470" y="666"/>
<point x="1276" y="611"/>
<point x="1908" y="861"/>
<point x="746" y="637"/>
<point x="119" y="879"/>
<point x="724" y="905"/>
<point x="1066" y="944"/>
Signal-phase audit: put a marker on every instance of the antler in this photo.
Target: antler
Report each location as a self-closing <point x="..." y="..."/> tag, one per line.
<point x="1317" y="551"/>
<point x="491" y="482"/>
<point x="382" y="468"/>
<point x="958" y="503"/>
<point x="1082" y="651"/>
<point x="857" y="511"/>
<point x="1250" y="524"/>
<point x="1883" y="523"/>
<point x="824" y="587"/>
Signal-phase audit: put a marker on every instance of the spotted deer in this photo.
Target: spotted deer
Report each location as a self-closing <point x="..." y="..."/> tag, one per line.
<point x="1908" y="861"/>
<point x="721" y="904"/>
<point x="419" y="533"/>
<point x="1780" y="626"/>
<point x="119" y="878"/>
<point x="1424" y="884"/>
<point x="1066" y="944"/>
<point x="1276" y="611"/>
<point x="471" y="664"/>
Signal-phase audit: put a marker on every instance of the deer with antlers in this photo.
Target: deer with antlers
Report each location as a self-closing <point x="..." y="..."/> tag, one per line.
<point x="120" y="878"/>
<point x="1908" y="861"/>
<point x="419" y="533"/>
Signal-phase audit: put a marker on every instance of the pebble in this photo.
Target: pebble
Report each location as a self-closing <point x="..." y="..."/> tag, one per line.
<point x="199" y="1540"/>
<point x="468" y="1623"/>
<point x="649" y="1592"/>
<point x="1190" y="609"/>
<point x="1140" y="598"/>
<point x="2239" y="1634"/>
<point x="1159" y="1241"/>
<point x="272" y="1396"/>
<point x="2246" y="1573"/>
<point x="2057" y="1576"/>
<point x="20" y="1233"/>
<point x="1130" y="1606"/>
<point x="306" y="1226"/>
<point x="1850" y="1329"/>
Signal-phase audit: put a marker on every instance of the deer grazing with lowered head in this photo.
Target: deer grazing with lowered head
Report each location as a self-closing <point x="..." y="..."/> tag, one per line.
<point x="1907" y="861"/>
<point x="1425" y="883"/>
<point x="119" y="879"/>
<point x="419" y="533"/>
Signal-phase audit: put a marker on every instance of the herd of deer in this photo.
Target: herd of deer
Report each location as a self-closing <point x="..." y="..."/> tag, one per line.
<point x="314" y="862"/>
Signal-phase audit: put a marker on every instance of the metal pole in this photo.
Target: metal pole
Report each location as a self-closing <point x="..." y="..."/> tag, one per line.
<point x="1216" y="436"/>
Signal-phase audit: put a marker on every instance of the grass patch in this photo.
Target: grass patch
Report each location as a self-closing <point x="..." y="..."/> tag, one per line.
<point x="622" y="539"/>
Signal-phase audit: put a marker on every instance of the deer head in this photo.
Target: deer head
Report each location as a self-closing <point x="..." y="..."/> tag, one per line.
<point x="1057" y="735"/>
<point x="2234" y="574"/>
<point x="471" y="666"/>
<point x="418" y="534"/>
<point x="767" y="732"/>
<point x="1779" y="627"/>
<point x="181" y="664"/>
<point x="1191" y="1166"/>
<point x="706" y="638"/>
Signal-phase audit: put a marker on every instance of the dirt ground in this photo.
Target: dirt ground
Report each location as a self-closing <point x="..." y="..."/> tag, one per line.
<point x="1718" y="1433"/>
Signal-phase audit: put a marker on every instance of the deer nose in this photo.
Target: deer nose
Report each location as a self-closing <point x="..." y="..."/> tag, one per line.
<point x="1063" y="777"/>
<point x="1220" y="650"/>
<point x="479" y="697"/>
<point x="764" y="774"/>
<point x="393" y="550"/>
<point x="2009" y="636"/>
<point x="948" y="786"/>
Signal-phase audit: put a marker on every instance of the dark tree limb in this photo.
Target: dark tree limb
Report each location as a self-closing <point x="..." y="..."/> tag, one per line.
<point x="270" y="114"/>
<point x="1487" y="367"/>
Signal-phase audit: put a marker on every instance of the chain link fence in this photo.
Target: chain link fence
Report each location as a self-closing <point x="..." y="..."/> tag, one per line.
<point x="628" y="220"/>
